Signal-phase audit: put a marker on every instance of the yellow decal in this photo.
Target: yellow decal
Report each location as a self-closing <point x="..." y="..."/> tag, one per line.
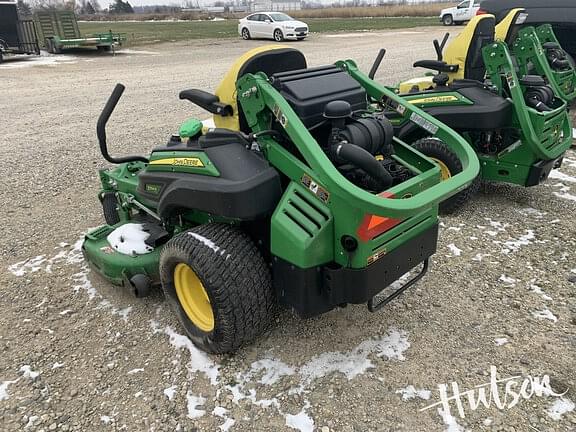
<point x="179" y="161"/>
<point x="434" y="99"/>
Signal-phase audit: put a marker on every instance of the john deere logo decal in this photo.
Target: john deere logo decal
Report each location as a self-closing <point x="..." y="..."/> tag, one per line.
<point x="179" y="161"/>
<point x="435" y="99"/>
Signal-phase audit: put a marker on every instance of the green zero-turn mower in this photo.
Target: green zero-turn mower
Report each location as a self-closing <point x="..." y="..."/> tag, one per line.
<point x="534" y="51"/>
<point x="519" y="128"/>
<point x="312" y="203"/>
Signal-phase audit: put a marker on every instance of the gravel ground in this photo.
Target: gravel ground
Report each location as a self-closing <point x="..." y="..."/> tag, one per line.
<point x="78" y="354"/>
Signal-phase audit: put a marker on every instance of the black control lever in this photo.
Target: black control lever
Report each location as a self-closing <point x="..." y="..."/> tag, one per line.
<point x="376" y="63"/>
<point x="101" y="128"/>
<point x="439" y="47"/>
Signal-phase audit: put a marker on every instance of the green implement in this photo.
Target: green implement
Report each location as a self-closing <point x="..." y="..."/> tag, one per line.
<point x="306" y="199"/>
<point x="58" y="30"/>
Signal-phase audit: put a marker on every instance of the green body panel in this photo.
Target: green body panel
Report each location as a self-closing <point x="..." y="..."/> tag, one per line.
<point x="193" y="162"/>
<point x="415" y="201"/>
<point x="302" y="228"/>
<point x="528" y="50"/>
<point x="117" y="267"/>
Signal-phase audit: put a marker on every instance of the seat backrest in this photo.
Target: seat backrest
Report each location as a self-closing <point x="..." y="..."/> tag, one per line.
<point x="269" y="59"/>
<point x="507" y="29"/>
<point x="466" y="49"/>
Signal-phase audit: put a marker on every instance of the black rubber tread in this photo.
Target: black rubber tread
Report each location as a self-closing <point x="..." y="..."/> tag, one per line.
<point x="435" y="148"/>
<point x="248" y="32"/>
<point x="236" y="278"/>
<point x="109" y="208"/>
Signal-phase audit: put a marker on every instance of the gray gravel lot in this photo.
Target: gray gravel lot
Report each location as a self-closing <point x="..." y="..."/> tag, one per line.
<point x="78" y="354"/>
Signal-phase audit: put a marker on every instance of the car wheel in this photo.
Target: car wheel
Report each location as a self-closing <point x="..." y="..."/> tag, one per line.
<point x="245" y="34"/>
<point x="278" y="36"/>
<point x="447" y="20"/>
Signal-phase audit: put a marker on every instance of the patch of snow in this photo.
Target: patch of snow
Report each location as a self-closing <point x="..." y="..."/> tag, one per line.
<point x="559" y="408"/>
<point x="559" y="175"/>
<point x="134" y="371"/>
<point x="273" y="369"/>
<point x="57" y="365"/>
<point x="31" y="421"/>
<point x="41" y="303"/>
<point x="123" y="313"/>
<point x="65" y="312"/>
<point x="228" y="423"/>
<point x="137" y="395"/>
<point x="300" y="421"/>
<point x="4" y="389"/>
<point x="545" y="314"/>
<point x="500" y="341"/>
<point x="573" y="133"/>
<point x="192" y="403"/>
<point x="129" y="239"/>
<point x="27" y="372"/>
<point x="507" y="280"/>
<point x="209" y="243"/>
<point x="356" y="362"/>
<point x="455" y="250"/>
<point x="537" y="290"/>
<point x="81" y="282"/>
<point x="137" y="52"/>
<point x="199" y="360"/>
<point x="31" y="265"/>
<point x="44" y="59"/>
<point x="170" y="391"/>
<point x="480" y="256"/>
<point x="487" y="421"/>
<point x="565" y="195"/>
<point x="106" y="419"/>
<point x="514" y="245"/>
<point x="411" y="392"/>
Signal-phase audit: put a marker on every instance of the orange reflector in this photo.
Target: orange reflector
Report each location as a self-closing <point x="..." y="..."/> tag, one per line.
<point x="373" y="225"/>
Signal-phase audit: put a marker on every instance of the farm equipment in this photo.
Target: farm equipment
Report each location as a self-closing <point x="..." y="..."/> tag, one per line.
<point x="301" y="196"/>
<point x="17" y="36"/>
<point x="58" y="31"/>
<point x="518" y="126"/>
<point x="535" y="51"/>
<point x="538" y="52"/>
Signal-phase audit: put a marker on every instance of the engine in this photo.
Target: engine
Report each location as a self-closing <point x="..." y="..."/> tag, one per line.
<point x="360" y="146"/>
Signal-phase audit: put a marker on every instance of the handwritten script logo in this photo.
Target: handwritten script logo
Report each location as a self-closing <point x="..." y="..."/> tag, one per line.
<point x="504" y="393"/>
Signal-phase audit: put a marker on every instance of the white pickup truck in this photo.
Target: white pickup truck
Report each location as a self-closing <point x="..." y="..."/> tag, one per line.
<point x="465" y="11"/>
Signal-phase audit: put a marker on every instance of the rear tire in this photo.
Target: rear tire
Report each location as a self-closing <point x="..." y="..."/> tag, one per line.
<point x="232" y="278"/>
<point x="441" y="154"/>
<point x="278" y="35"/>
<point x="245" y="34"/>
<point x="447" y="20"/>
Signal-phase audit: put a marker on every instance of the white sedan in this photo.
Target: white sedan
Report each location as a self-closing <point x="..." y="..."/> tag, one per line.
<point x="274" y="25"/>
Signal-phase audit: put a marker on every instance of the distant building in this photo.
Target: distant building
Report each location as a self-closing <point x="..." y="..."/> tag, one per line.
<point x="275" y="5"/>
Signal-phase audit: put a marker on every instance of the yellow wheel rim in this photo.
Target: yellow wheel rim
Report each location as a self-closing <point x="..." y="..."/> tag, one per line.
<point x="193" y="297"/>
<point x="445" y="173"/>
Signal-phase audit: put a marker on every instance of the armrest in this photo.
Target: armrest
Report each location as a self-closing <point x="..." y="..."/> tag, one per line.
<point x="437" y="65"/>
<point x="208" y="101"/>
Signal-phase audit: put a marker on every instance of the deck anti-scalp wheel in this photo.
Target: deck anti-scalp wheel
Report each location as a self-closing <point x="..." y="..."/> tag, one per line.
<point x="219" y="285"/>
<point x="450" y="165"/>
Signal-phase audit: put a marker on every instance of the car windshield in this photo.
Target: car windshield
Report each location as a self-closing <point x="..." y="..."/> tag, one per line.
<point x="281" y="17"/>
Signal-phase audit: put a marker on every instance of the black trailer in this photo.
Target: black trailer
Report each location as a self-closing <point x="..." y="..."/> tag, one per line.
<point x="17" y="36"/>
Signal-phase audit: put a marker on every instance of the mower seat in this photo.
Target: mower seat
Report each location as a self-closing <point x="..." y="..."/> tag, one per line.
<point x="462" y="58"/>
<point x="269" y="59"/>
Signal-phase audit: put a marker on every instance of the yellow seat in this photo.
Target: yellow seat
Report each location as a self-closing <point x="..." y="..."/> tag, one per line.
<point x="269" y="59"/>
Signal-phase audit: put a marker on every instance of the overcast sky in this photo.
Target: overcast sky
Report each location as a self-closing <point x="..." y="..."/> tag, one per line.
<point x="105" y="3"/>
